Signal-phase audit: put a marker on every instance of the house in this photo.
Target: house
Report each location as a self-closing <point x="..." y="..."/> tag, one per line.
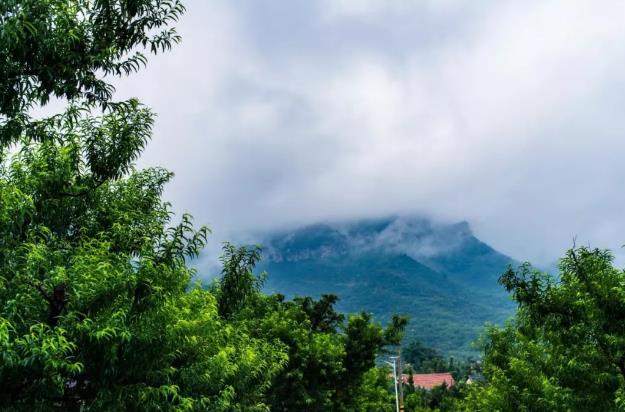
<point x="429" y="380"/>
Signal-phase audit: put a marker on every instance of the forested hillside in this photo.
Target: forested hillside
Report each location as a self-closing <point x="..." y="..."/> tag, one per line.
<point x="440" y="275"/>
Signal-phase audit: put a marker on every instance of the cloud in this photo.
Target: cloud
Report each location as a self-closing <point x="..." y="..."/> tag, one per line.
<point x="506" y="114"/>
<point x="418" y="238"/>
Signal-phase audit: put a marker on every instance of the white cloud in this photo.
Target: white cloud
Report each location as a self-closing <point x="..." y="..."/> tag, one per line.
<point x="506" y="114"/>
<point x="372" y="9"/>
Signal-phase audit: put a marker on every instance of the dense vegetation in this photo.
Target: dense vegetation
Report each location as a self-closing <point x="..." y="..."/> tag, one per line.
<point x="97" y="306"/>
<point x="98" y="309"/>
<point x="419" y="358"/>
<point x="440" y="275"/>
<point x="565" y="350"/>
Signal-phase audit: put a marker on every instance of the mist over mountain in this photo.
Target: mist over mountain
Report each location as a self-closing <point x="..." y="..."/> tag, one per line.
<point x="440" y="275"/>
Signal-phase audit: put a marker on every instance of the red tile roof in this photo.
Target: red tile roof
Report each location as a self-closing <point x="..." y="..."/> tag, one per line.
<point x="430" y="380"/>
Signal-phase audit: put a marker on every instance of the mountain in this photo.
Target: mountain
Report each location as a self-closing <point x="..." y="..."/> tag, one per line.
<point x="440" y="275"/>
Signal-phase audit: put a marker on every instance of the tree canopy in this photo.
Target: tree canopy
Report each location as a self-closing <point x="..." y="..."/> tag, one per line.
<point x="565" y="350"/>
<point x="98" y="306"/>
<point x="66" y="49"/>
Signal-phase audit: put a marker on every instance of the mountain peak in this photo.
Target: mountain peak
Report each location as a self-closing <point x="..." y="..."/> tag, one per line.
<point x="417" y="237"/>
<point x="440" y="274"/>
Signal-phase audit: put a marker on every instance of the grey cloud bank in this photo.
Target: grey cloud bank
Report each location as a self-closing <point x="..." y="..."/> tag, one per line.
<point x="506" y="114"/>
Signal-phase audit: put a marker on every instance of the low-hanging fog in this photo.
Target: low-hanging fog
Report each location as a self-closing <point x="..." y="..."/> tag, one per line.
<point x="506" y="114"/>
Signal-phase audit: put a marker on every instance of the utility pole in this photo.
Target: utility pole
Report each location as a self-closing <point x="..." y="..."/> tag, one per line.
<point x="401" y="382"/>
<point x="394" y="365"/>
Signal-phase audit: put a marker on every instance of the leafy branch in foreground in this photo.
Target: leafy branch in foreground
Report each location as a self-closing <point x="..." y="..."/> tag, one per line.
<point x="98" y="309"/>
<point x="566" y="348"/>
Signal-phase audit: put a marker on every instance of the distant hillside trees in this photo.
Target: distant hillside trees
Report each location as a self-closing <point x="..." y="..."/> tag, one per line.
<point x="423" y="359"/>
<point x="378" y="265"/>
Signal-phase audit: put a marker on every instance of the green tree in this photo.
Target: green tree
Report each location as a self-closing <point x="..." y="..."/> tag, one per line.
<point x="331" y="360"/>
<point x="66" y="48"/>
<point x="238" y="283"/>
<point x="97" y="308"/>
<point x="566" y="348"/>
<point x="423" y="358"/>
<point x="375" y="393"/>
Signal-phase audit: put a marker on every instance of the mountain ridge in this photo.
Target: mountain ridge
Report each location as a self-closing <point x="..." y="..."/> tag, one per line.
<point x="441" y="275"/>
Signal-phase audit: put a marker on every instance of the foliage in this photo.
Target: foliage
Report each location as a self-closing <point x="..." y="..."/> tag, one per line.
<point x="439" y="398"/>
<point x="238" y="282"/>
<point x="97" y="306"/>
<point x="376" y="393"/>
<point x="65" y="48"/>
<point x="420" y="358"/>
<point x="95" y="302"/>
<point x="566" y="348"/>
<point x="449" y="297"/>
<point x="331" y="359"/>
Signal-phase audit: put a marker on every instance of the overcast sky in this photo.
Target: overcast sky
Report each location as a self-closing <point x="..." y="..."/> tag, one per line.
<point x="507" y="114"/>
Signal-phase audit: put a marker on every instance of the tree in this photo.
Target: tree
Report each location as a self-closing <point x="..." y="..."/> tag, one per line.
<point x="566" y="348"/>
<point x="423" y="358"/>
<point x="238" y="282"/>
<point x="375" y="393"/>
<point x="330" y="359"/>
<point x="97" y="308"/>
<point x="64" y="49"/>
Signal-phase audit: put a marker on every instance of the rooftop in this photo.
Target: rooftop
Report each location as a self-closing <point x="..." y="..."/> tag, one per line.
<point x="430" y="380"/>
